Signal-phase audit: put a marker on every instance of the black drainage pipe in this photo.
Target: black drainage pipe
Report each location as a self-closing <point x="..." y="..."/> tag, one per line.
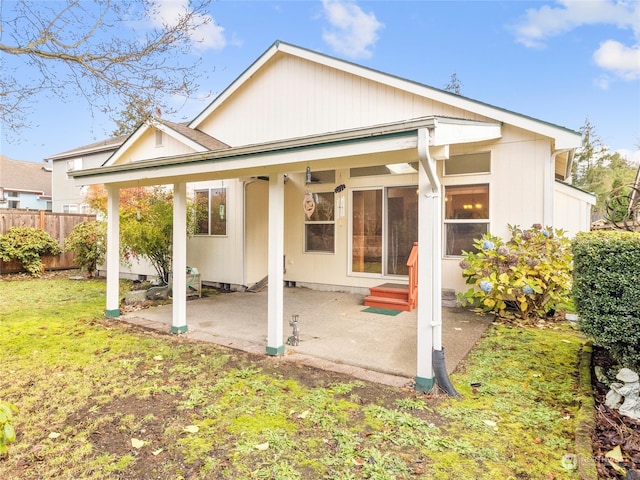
<point x="440" y="371"/>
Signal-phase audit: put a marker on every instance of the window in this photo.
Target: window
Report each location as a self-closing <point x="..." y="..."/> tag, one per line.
<point x="13" y="199"/>
<point x="211" y="211"/>
<point x="320" y="228"/>
<point x="70" y="208"/>
<point x="469" y="163"/>
<point x="384" y="226"/>
<point x="74" y="164"/>
<point x="466" y="216"/>
<point x="159" y="138"/>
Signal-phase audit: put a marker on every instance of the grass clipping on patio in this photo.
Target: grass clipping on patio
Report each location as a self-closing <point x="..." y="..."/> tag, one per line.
<point x="98" y="400"/>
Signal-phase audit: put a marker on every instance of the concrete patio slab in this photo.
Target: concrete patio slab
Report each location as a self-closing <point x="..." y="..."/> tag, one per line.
<point x="335" y="332"/>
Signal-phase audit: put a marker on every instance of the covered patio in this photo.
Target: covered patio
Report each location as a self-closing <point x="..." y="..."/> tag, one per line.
<point x="337" y="332"/>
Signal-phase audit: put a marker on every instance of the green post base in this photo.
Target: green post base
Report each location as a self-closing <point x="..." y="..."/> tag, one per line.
<point x="424" y="384"/>
<point x="274" y="351"/>
<point x="182" y="329"/>
<point x="112" y="313"/>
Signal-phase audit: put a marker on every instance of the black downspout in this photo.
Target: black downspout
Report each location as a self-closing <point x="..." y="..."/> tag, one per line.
<point x="440" y="371"/>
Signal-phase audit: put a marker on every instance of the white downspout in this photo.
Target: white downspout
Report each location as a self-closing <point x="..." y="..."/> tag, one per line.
<point x="431" y="364"/>
<point x="429" y="332"/>
<point x="549" y="190"/>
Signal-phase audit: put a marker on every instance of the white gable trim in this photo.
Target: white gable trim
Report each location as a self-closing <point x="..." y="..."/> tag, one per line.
<point x="564" y="138"/>
<point x="135" y="136"/>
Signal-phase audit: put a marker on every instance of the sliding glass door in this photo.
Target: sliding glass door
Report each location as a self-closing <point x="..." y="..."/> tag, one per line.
<point x="384" y="226"/>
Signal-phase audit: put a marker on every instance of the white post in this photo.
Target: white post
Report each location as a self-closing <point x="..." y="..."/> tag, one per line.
<point x="429" y="331"/>
<point x="113" y="252"/>
<point x="275" y="307"/>
<point x="179" y="267"/>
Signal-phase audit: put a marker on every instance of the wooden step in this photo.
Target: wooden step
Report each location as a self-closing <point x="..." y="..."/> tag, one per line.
<point x="390" y="290"/>
<point x="387" y="303"/>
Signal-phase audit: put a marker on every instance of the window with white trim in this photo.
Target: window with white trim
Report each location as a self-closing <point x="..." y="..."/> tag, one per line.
<point x="211" y="211"/>
<point x="320" y="226"/>
<point x="468" y="163"/>
<point x="466" y="216"/>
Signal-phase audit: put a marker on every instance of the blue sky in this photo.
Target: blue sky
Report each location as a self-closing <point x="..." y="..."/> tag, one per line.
<point x="558" y="61"/>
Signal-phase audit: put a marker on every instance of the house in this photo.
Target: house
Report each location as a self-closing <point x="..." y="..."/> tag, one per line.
<point x="67" y="197"/>
<point x="322" y="173"/>
<point x="24" y="185"/>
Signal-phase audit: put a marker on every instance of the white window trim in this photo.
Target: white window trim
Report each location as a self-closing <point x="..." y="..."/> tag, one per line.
<point x="323" y="222"/>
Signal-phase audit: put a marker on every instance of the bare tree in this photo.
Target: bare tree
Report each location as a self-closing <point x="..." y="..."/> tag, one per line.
<point x="454" y="84"/>
<point x="110" y="53"/>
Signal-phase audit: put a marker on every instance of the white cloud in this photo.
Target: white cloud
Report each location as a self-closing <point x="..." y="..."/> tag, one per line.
<point x="207" y="35"/>
<point x="353" y="32"/>
<point x="546" y="21"/>
<point x="623" y="60"/>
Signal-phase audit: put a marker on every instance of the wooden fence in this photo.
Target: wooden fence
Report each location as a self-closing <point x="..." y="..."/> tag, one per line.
<point x="58" y="225"/>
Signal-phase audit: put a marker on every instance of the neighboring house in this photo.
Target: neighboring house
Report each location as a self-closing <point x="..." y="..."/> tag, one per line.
<point x="24" y="185"/>
<point x="338" y="169"/>
<point x="68" y="198"/>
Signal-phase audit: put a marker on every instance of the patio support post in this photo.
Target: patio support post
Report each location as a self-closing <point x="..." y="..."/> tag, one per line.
<point x="113" y="252"/>
<point x="179" y="268"/>
<point x="429" y="334"/>
<point x="275" y="329"/>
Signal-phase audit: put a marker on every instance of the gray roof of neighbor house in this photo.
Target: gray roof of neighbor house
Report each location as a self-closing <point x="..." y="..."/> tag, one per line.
<point x="101" y="146"/>
<point x="20" y="175"/>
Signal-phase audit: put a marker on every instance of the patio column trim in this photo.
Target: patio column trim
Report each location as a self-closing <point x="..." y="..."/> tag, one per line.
<point x="179" y="268"/>
<point x="275" y="327"/>
<point x="113" y="252"/>
<point x="429" y="330"/>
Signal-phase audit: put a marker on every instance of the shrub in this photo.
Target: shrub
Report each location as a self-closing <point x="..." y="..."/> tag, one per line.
<point x="27" y="245"/>
<point x="528" y="276"/>
<point x="607" y="292"/>
<point x="88" y="241"/>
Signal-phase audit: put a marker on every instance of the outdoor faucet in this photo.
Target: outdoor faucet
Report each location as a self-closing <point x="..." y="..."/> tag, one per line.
<point x="294" y="339"/>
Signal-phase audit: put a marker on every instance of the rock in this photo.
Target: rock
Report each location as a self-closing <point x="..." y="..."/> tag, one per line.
<point x="135" y="296"/>
<point x="158" y="293"/>
<point x="627" y="376"/>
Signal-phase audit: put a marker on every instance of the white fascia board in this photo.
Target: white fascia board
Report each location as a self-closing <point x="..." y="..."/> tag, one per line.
<point x="236" y="162"/>
<point x="451" y="132"/>
<point x="133" y="138"/>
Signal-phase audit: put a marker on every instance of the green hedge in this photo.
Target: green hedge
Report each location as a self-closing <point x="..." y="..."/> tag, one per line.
<point x="606" y="290"/>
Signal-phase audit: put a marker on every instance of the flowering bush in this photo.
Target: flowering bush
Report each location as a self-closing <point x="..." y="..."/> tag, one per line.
<point x="528" y="276"/>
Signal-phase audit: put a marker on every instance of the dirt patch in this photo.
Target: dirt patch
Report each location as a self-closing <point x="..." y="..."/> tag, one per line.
<point x="612" y="429"/>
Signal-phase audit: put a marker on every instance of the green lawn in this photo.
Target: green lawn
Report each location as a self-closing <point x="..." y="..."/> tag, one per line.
<point x="98" y="399"/>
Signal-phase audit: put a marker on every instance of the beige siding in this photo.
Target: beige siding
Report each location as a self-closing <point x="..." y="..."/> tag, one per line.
<point x="256" y="230"/>
<point x="572" y="209"/>
<point x="145" y="148"/>
<point x="292" y="97"/>
<point x="219" y="258"/>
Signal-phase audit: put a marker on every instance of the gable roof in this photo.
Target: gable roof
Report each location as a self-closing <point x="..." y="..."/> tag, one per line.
<point x="564" y="137"/>
<point x="197" y="136"/>
<point x="23" y="176"/>
<point x="193" y="138"/>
